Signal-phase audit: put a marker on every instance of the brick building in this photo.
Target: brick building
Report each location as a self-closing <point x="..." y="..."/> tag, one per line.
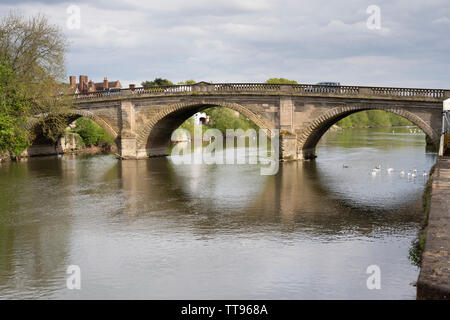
<point x="84" y="85"/>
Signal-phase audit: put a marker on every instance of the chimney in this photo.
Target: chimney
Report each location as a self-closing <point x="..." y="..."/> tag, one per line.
<point x="105" y="83"/>
<point x="83" y="83"/>
<point x="73" y="81"/>
<point x="132" y="86"/>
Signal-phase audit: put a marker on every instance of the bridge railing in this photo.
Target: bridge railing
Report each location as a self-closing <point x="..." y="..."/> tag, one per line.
<point x="247" y="87"/>
<point x="314" y="88"/>
<point x="303" y="89"/>
<point x="408" y="92"/>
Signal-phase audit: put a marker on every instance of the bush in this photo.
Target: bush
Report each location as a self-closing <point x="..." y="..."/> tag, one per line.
<point x="92" y="134"/>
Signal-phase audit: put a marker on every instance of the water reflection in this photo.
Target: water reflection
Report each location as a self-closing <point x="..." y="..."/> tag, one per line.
<point x="153" y="229"/>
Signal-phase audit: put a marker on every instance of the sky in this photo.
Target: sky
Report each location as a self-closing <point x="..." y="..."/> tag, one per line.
<point x="253" y="40"/>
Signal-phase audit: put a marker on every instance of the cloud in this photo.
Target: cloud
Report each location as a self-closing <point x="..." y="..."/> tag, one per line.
<point x="249" y="40"/>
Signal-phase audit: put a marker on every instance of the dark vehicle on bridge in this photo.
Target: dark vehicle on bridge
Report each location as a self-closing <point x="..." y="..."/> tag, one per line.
<point x="329" y="83"/>
<point x="112" y="92"/>
<point x="325" y="87"/>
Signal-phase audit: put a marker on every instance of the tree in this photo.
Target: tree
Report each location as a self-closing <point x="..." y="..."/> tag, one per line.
<point x="378" y="118"/>
<point x="34" y="50"/>
<point x="33" y="47"/>
<point x="158" y="82"/>
<point x="281" y="81"/>
<point x="373" y="118"/>
<point x="187" y="82"/>
<point x="397" y="120"/>
<point x="13" y="105"/>
<point x="224" y="118"/>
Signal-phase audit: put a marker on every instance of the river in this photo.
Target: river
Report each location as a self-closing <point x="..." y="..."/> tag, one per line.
<point x="151" y="229"/>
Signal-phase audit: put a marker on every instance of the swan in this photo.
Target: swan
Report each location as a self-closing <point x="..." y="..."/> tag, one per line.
<point x="390" y="170"/>
<point x="425" y="173"/>
<point x="374" y="173"/>
<point x="402" y="173"/>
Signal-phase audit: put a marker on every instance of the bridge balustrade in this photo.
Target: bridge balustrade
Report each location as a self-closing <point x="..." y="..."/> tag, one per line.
<point x="307" y="89"/>
<point x="408" y="92"/>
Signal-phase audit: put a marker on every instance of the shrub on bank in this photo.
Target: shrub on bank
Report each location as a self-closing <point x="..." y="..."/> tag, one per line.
<point x="92" y="134"/>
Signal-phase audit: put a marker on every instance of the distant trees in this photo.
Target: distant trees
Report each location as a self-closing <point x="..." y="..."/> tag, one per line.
<point x="223" y="118"/>
<point x="373" y="118"/>
<point x="281" y="81"/>
<point x="158" y="82"/>
<point x="187" y="82"/>
<point x="32" y="53"/>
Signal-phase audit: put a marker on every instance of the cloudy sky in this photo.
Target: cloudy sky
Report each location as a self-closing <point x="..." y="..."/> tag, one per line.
<point x="253" y="40"/>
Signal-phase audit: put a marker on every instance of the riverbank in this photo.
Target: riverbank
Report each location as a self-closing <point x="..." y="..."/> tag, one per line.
<point x="434" y="278"/>
<point x="93" y="150"/>
<point x="4" y="157"/>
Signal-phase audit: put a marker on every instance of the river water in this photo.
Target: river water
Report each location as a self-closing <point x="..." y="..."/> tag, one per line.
<point x="151" y="229"/>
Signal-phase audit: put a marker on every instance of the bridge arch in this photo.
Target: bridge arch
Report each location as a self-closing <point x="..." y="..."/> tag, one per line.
<point x="310" y="136"/>
<point x="154" y="137"/>
<point x="75" y="114"/>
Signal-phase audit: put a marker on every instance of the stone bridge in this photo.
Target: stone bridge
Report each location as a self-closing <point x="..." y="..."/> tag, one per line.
<point x="142" y="120"/>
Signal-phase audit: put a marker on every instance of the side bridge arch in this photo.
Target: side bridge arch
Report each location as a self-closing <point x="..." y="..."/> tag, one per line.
<point x="310" y="136"/>
<point x="72" y="116"/>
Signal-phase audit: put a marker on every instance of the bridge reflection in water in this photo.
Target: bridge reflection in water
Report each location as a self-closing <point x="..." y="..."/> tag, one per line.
<point x="153" y="229"/>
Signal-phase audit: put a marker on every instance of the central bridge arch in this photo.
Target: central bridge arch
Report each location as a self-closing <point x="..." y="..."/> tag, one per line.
<point x="310" y="136"/>
<point x="154" y="137"/>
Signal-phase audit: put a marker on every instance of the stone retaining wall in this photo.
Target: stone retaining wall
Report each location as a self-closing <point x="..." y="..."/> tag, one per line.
<point x="434" y="278"/>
